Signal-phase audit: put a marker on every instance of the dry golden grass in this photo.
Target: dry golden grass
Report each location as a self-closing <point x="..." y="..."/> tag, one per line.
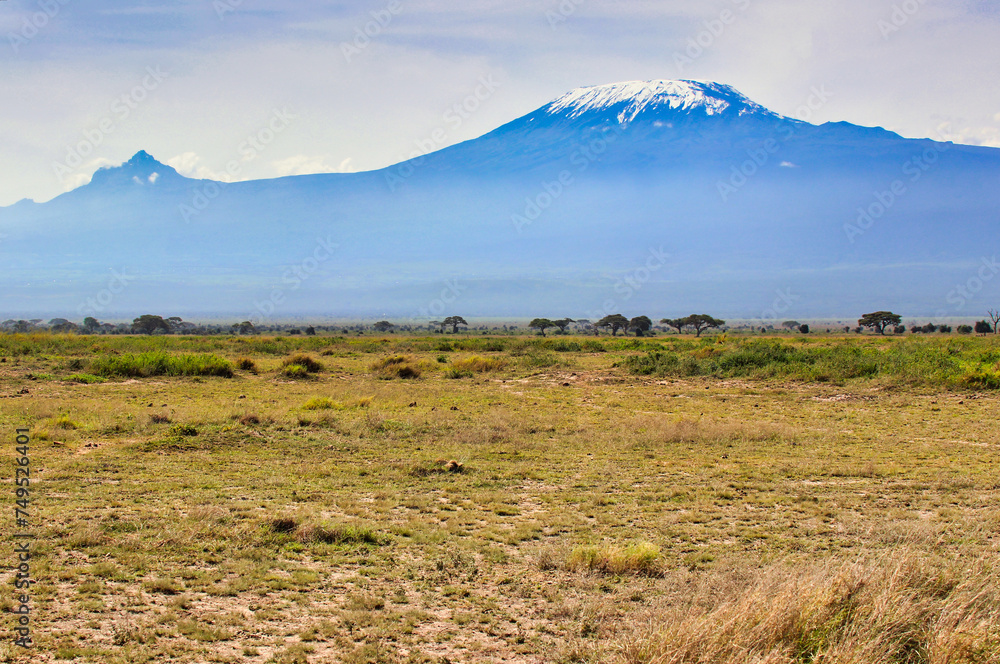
<point x="886" y="609"/>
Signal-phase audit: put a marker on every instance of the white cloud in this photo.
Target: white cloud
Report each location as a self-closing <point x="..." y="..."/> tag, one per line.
<point x="305" y="165"/>
<point x="153" y="178"/>
<point x="189" y="164"/>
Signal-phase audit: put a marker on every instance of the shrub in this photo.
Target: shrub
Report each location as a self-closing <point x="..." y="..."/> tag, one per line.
<point x="308" y="362"/>
<point x="294" y="371"/>
<point x="246" y="364"/>
<point x="183" y="430"/>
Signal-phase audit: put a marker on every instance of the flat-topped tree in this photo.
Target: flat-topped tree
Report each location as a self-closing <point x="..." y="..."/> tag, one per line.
<point x="640" y="324"/>
<point x="562" y="324"/>
<point x="702" y="322"/>
<point x="879" y="320"/>
<point x="678" y="323"/>
<point x="383" y="326"/>
<point x="541" y="324"/>
<point x="615" y="322"/>
<point x="454" y="321"/>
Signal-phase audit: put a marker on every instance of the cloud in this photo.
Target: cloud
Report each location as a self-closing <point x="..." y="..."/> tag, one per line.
<point x="303" y="165"/>
<point x="189" y="164"/>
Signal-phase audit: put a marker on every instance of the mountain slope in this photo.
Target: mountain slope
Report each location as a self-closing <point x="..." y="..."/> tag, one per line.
<point x="568" y="210"/>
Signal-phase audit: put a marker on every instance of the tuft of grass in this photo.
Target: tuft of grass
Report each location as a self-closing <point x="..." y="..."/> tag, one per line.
<point x="642" y="558"/>
<point x="322" y="403"/>
<point x="306" y="532"/>
<point x="85" y="378"/>
<point x="64" y="422"/>
<point x="396" y="366"/>
<point x="246" y="364"/>
<point x="160" y="418"/>
<point x="478" y="364"/>
<point x="308" y="362"/>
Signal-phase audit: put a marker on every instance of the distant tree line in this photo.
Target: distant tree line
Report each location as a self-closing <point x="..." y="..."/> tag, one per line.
<point x="880" y="322"/>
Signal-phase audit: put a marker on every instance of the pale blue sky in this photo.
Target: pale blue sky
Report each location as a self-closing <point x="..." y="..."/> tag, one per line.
<point x="89" y="83"/>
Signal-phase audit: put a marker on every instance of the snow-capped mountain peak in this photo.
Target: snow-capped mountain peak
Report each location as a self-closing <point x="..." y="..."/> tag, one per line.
<point x="632" y="98"/>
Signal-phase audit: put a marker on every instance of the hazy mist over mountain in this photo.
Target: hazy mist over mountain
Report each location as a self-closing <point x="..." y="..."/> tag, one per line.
<point x="658" y="198"/>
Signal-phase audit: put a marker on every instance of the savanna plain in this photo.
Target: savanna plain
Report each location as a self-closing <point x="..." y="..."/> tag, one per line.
<point x="468" y="498"/>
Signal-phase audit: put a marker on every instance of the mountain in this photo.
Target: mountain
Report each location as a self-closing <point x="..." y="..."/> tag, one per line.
<point x="655" y="197"/>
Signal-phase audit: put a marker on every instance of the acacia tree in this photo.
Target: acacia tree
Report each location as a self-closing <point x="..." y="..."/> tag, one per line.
<point x="879" y="320"/>
<point x="983" y="327"/>
<point x="791" y="324"/>
<point x="454" y="321"/>
<point x="91" y="324"/>
<point x="995" y="317"/>
<point x="702" y="322"/>
<point x="615" y="322"/>
<point x="641" y="325"/>
<point x="148" y="324"/>
<point x="679" y="323"/>
<point x="562" y="324"/>
<point x="541" y="324"/>
<point x="383" y="326"/>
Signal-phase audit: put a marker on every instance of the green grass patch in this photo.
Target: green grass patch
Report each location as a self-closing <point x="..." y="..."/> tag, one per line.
<point x="142" y="365"/>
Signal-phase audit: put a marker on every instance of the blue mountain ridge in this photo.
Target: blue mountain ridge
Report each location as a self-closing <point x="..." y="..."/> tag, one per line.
<point x="657" y="198"/>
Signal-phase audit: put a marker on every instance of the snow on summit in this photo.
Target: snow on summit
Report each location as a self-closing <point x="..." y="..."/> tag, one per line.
<point x="633" y="97"/>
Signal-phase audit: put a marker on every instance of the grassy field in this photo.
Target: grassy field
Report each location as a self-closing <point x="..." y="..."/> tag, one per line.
<point x="473" y="499"/>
